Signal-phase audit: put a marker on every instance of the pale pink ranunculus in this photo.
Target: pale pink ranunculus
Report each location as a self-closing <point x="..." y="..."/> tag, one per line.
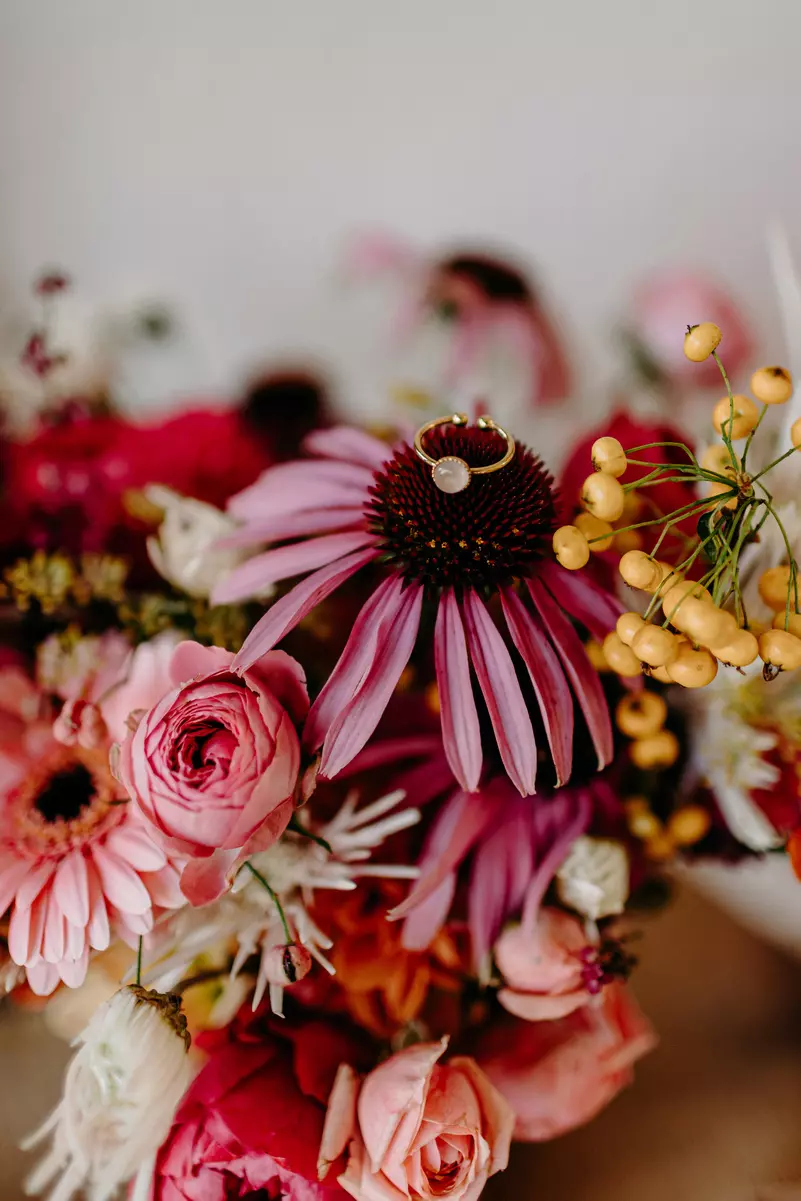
<point x="212" y="765"/>
<point x="558" y="1075"/>
<point x="417" y="1128"/>
<point x="542" y="967"/>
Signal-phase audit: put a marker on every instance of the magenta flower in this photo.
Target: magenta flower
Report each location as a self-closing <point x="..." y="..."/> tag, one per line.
<point x="471" y="559"/>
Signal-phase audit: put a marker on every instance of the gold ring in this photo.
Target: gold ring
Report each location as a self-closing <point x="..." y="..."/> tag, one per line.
<point x="450" y="473"/>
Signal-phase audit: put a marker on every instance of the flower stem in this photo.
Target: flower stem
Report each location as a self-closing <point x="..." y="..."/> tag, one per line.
<point x="296" y="827"/>
<point x="273" y="898"/>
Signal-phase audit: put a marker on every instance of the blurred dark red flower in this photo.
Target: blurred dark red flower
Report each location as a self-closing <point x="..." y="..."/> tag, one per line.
<point x="51" y="282"/>
<point x="664" y="498"/>
<point x="252" y="1121"/>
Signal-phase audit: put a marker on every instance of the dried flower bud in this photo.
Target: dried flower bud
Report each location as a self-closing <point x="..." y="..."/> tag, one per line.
<point x="81" y="723"/>
<point x="287" y="964"/>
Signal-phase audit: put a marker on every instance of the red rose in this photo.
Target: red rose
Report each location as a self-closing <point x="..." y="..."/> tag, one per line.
<point x="253" y="1118"/>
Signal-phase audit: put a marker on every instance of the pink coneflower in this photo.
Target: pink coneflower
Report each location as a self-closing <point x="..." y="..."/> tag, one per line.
<point x="75" y="863"/>
<point x="464" y="561"/>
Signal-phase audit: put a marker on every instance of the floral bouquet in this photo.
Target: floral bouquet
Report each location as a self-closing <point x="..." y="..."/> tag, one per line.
<point x="340" y="780"/>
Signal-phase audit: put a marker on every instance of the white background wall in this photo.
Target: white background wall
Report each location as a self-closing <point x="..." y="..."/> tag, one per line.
<point x="218" y="152"/>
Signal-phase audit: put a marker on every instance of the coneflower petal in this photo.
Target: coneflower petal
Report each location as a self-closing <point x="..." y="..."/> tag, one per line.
<point x="284" y="614"/>
<point x="356" y="722"/>
<point x="279" y="526"/>
<point x="461" y="733"/>
<point x="582" y="675"/>
<point x="348" y="443"/>
<point x="501" y="688"/>
<point x="355" y="660"/>
<point x="284" y="562"/>
<point x="578" y="595"/>
<point x="557" y="826"/>
<point x="459" y="824"/>
<point x="291" y="487"/>
<point x="547" y="677"/>
<point x="426" y="920"/>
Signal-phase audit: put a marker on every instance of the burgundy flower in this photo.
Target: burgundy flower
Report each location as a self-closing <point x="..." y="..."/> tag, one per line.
<point x="360" y="502"/>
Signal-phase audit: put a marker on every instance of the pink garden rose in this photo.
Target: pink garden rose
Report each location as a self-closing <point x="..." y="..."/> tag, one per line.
<point x="542" y="966"/>
<point x="212" y="765"/>
<point x="558" y="1075"/>
<point x="415" y="1128"/>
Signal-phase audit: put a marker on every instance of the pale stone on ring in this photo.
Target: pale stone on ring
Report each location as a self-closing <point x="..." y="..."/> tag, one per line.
<point x="451" y="474"/>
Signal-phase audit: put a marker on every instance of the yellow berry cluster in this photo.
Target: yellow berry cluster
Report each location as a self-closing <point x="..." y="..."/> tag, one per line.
<point x="703" y="623"/>
<point x="684" y="828"/>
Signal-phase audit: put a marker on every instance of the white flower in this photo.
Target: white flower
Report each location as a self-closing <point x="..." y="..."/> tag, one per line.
<point x="332" y="856"/>
<point x="121" y="1091"/>
<point x="184" y="552"/>
<point x="594" y="878"/>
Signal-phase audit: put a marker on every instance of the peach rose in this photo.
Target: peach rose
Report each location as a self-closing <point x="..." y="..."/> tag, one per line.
<point x="212" y="765"/>
<point x="415" y="1128"/>
<point x="543" y="966"/>
<point x="558" y="1075"/>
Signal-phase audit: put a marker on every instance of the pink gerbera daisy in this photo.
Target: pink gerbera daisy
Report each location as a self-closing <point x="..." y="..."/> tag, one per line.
<point x="76" y="864"/>
<point x="464" y="561"/>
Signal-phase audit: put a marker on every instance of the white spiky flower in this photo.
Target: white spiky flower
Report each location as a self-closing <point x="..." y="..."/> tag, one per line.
<point x="283" y="880"/>
<point x="121" y="1091"/>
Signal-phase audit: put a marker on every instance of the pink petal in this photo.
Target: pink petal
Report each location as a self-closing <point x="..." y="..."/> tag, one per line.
<point x="578" y="594"/>
<point x="11" y="876"/>
<point x="73" y="973"/>
<point x="135" y="848"/>
<point x="285" y="613"/>
<point x="460" y="823"/>
<point x="76" y="942"/>
<point x="501" y="689"/>
<point x="340" y="1119"/>
<point x="583" y="676"/>
<point x="427" y="919"/>
<point x="393" y="750"/>
<point x="164" y="887"/>
<point x="205" y="880"/>
<point x="548" y="679"/>
<point x="461" y="733"/>
<point x="55" y="931"/>
<point x="356" y="658"/>
<point x="349" y="443"/>
<point x="360" y="716"/>
<point x="285" y="562"/>
<point x="533" y="1007"/>
<point x="278" y="526"/>
<point x="33" y="884"/>
<point x="42" y="977"/>
<point x="293" y="487"/>
<point x="25" y="930"/>
<point x="98" y="930"/>
<point x="558" y="823"/>
<point x="71" y="888"/>
<point x="121" y="884"/>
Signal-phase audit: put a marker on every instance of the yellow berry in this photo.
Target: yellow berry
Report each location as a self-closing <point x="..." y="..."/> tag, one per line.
<point x="608" y="456"/>
<point x="636" y="804"/>
<point x="746" y="415"/>
<point x="790" y="622"/>
<point x="773" y="587"/>
<point x="795" y="433"/>
<point x="644" y="825"/>
<point x="595" y="654"/>
<point x="772" y="385"/>
<point x="627" y="540"/>
<point x="640" y="570"/>
<point x="668" y="578"/>
<point x="656" y="752"/>
<point x="715" y="489"/>
<point x="603" y="496"/>
<point x="679" y="593"/>
<point x="628" y="627"/>
<point x="570" y="547"/>
<point x="779" y="648"/>
<point x="632" y="507"/>
<point x="661" y="848"/>
<point x="717" y="458"/>
<point x="689" y="825"/>
<point x="621" y="658"/>
<point x="407" y="678"/>
<point x="693" y="668"/>
<point x="738" y="651"/>
<point x="655" y="646"/>
<point x="661" y="674"/>
<point x="640" y="714"/>
<point x="431" y="696"/>
<point x="701" y="340"/>
<point x="599" y="534"/>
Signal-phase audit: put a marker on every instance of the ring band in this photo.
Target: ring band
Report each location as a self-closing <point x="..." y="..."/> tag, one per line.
<point x="450" y="473"/>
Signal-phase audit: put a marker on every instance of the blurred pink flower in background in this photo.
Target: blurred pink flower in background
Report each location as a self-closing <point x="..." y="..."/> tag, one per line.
<point x="559" y="1074"/>
<point x="665" y="304"/>
<point x="542" y="967"/>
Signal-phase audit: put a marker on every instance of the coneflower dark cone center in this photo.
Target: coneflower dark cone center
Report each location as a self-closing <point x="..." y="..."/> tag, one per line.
<point x="487" y="535"/>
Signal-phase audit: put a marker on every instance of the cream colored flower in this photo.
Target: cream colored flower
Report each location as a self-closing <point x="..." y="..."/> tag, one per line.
<point x="184" y="551"/>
